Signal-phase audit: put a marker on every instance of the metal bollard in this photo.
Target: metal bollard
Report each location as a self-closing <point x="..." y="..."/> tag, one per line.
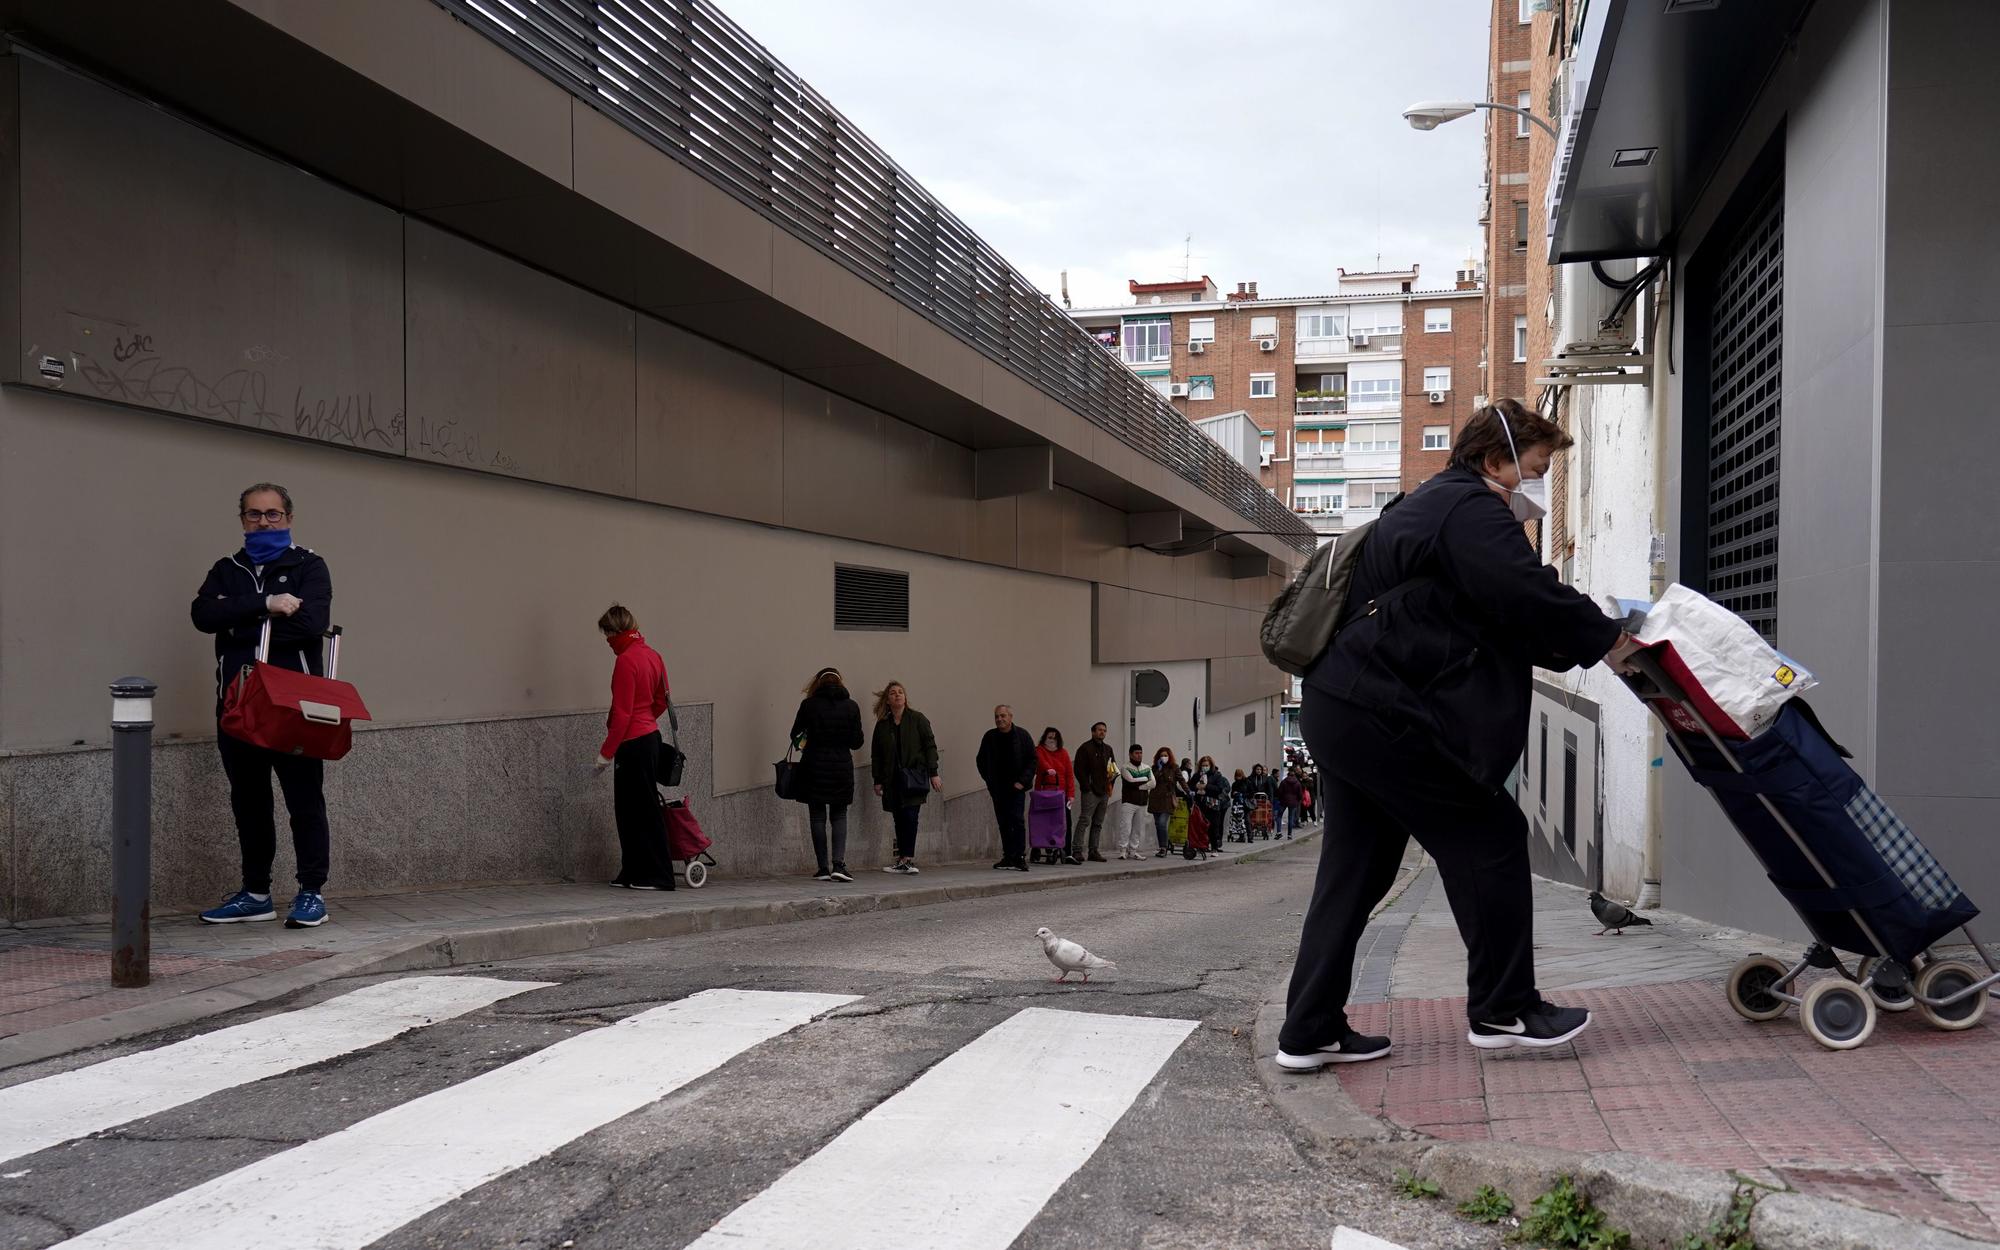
<point x="131" y="832"/>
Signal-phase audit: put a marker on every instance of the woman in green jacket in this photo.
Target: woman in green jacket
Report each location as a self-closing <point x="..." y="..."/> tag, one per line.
<point x="904" y="760"/>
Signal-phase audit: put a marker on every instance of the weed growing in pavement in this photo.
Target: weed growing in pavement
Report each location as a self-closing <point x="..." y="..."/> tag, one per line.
<point x="1730" y="1231"/>
<point x="1414" y="1186"/>
<point x="1564" y="1219"/>
<point x="1486" y="1206"/>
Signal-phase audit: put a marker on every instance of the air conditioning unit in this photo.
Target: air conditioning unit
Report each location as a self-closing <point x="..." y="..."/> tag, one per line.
<point x="1263" y="459"/>
<point x="1197" y="346"/>
<point x="1177" y="390"/>
<point x="1359" y="340"/>
<point x="1267" y="344"/>
<point x="1437" y="397"/>
<point x="1583" y="311"/>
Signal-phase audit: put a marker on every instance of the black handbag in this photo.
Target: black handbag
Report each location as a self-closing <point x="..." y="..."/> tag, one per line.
<point x="673" y="760"/>
<point x="786" y="782"/>
<point x="913" y="780"/>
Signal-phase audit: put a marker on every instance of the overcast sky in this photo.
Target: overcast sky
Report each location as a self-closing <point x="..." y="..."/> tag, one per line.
<point x="1095" y="139"/>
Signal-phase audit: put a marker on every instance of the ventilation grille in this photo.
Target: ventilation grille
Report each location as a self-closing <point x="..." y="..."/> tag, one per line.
<point x="1745" y="378"/>
<point x="873" y="599"/>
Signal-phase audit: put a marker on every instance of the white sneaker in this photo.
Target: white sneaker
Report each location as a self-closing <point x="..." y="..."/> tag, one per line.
<point x="1354" y="1048"/>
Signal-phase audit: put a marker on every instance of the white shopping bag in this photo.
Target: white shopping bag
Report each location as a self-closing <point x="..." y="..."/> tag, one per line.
<point x="1738" y="680"/>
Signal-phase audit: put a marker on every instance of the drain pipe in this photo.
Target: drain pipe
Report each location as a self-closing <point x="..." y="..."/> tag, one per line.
<point x="1656" y="739"/>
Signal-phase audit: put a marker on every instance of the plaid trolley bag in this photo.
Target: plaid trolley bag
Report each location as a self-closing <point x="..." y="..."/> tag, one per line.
<point x="1856" y="875"/>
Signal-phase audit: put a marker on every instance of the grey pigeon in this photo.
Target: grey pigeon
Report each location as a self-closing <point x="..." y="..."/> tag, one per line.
<point x="1068" y="957"/>
<point x="1615" y="917"/>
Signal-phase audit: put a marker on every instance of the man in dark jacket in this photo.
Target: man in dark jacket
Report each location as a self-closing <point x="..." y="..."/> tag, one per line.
<point x="1416" y="711"/>
<point x="1007" y="765"/>
<point x="272" y="583"/>
<point x="1095" y="764"/>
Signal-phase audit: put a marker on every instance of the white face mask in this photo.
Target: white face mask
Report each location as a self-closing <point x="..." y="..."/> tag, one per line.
<point x="1530" y="499"/>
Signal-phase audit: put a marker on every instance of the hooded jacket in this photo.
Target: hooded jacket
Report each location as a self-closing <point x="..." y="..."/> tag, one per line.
<point x="1449" y="613"/>
<point x="230" y="605"/>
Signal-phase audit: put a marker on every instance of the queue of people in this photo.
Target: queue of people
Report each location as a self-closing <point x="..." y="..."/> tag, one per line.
<point x="272" y="600"/>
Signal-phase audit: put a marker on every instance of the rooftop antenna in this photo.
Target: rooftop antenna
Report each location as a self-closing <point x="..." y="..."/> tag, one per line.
<point x="1187" y="258"/>
<point x="1065" y="288"/>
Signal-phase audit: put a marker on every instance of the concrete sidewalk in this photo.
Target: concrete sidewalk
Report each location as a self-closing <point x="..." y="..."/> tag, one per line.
<point x="56" y="994"/>
<point x="1907" y="1125"/>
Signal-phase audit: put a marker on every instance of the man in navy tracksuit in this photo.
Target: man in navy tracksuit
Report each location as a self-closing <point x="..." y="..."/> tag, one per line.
<point x="272" y="580"/>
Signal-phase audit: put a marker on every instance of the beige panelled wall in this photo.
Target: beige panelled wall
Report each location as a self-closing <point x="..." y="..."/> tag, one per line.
<point x="237" y="292"/>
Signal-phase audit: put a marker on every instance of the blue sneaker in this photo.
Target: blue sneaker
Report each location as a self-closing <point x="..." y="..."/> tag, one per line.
<point x="239" y="907"/>
<point x="308" y="910"/>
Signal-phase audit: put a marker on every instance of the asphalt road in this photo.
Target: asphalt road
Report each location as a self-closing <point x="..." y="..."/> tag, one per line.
<point x="963" y="1147"/>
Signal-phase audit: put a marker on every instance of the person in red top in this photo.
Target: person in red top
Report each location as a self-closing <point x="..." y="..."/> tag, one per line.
<point x="1053" y="771"/>
<point x="632" y="749"/>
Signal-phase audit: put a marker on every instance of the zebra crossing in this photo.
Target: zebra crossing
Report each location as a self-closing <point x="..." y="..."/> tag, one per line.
<point x="982" y="1139"/>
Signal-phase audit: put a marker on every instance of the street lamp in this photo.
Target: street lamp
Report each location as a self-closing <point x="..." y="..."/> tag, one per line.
<point x="1431" y="114"/>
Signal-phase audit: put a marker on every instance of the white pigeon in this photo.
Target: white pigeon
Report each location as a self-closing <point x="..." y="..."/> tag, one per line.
<point x="1068" y="957"/>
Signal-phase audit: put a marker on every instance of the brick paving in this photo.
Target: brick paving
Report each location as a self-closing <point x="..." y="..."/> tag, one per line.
<point x="1908" y="1124"/>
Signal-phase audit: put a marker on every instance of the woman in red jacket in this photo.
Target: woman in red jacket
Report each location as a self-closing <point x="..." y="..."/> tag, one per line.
<point x="1053" y="772"/>
<point x="632" y="747"/>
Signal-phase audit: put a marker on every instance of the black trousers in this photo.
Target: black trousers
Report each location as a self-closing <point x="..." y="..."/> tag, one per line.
<point x="249" y="770"/>
<point x="818" y="816"/>
<point x="906" y="831"/>
<point x="642" y="835"/>
<point x="1010" y="809"/>
<point x="1383" y="786"/>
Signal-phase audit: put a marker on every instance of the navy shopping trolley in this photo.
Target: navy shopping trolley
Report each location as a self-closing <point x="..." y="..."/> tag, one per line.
<point x="1859" y="879"/>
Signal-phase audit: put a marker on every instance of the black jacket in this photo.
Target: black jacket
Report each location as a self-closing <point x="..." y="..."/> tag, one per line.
<point x="1454" y="653"/>
<point x="831" y="724"/>
<point x="894" y="747"/>
<point x="230" y="605"/>
<point x="1214" y="788"/>
<point x="1007" y="758"/>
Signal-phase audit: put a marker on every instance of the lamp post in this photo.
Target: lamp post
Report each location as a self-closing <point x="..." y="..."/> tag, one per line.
<point x="1431" y="114"/>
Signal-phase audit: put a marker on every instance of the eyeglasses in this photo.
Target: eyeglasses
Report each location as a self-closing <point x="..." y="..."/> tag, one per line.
<point x="275" y="514"/>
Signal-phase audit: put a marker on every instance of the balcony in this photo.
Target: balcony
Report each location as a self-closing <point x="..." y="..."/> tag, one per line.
<point x="1324" y="522"/>
<point x="1318" y="462"/>
<point x="1319" y="405"/>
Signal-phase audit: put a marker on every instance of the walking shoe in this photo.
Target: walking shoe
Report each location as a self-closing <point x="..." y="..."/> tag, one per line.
<point x="1095" y="858"/>
<point x="1352" y="1048"/>
<point x="1160" y="854"/>
<point x="308" y="911"/>
<point x="1018" y="865"/>
<point x="619" y="883"/>
<point x="1005" y="863"/>
<point x="1071" y="859"/>
<point x="898" y="866"/>
<point x="239" y="907"/>
<point x="823" y="875"/>
<point x="651" y="885"/>
<point x="911" y="866"/>
<point x="1545" y="1025"/>
<point x="840" y="873"/>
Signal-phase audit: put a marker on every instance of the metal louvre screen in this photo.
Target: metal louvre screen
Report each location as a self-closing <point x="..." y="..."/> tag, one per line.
<point x="1746" y="349"/>
<point x="682" y="76"/>
<point x="870" y="599"/>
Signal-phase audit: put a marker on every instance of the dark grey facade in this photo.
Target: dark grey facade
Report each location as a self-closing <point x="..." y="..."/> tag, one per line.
<point x="1834" y="319"/>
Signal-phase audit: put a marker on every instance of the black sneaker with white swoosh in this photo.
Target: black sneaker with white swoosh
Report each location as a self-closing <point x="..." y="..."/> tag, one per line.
<point x="1540" y="1026"/>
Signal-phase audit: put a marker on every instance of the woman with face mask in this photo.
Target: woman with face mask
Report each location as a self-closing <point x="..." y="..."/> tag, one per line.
<point x="1417" y="711"/>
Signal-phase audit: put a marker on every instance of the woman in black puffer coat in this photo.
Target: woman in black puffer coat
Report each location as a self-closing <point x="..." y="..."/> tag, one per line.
<point x="827" y="730"/>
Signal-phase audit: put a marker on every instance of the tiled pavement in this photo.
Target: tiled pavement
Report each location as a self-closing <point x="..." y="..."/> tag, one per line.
<point x="1908" y="1124"/>
<point x="57" y="974"/>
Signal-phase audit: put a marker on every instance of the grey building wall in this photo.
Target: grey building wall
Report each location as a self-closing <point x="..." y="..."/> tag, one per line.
<point x="1887" y="534"/>
<point x="487" y="456"/>
<point x="1826" y="106"/>
<point x="1937" y="745"/>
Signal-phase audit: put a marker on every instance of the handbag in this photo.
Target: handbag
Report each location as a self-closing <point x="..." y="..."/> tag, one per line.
<point x="673" y="760"/>
<point x="786" y="782"/>
<point x="293" y="713"/>
<point x="913" y="779"/>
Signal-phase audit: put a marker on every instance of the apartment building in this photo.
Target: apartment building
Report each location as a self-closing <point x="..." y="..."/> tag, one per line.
<point x="1509" y="202"/>
<point x="1358" y="393"/>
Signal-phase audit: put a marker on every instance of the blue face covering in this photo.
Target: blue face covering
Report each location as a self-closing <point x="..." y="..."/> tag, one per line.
<point x="265" y="546"/>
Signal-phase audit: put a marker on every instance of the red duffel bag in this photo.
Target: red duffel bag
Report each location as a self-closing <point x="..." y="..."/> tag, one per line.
<point x="293" y="713"/>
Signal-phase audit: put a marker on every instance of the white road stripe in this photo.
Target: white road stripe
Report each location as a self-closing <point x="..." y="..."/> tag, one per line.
<point x="35" y="1115"/>
<point x="965" y="1157"/>
<point x="1345" y="1238"/>
<point x="344" y="1191"/>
